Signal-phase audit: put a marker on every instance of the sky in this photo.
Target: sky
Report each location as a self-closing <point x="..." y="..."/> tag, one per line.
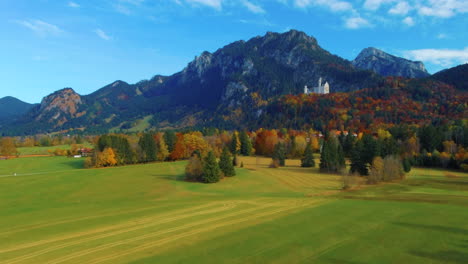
<point x="47" y="45"/>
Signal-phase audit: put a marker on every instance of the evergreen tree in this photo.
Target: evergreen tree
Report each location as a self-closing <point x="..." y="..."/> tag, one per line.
<point x="406" y="165"/>
<point x="332" y="157"/>
<point x="211" y="171"/>
<point x="369" y="149"/>
<point x="348" y="144"/>
<point x="279" y="154"/>
<point x="170" y="138"/>
<point x="148" y="148"/>
<point x="225" y="164"/>
<point x="308" y="159"/>
<point x="246" y="144"/>
<point x="358" y="163"/>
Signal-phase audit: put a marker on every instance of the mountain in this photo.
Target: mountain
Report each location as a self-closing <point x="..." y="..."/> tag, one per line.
<point x="213" y="85"/>
<point x="388" y="65"/>
<point x="11" y="107"/>
<point x="456" y="76"/>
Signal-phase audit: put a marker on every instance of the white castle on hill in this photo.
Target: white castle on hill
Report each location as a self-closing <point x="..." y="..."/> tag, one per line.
<point x="320" y="89"/>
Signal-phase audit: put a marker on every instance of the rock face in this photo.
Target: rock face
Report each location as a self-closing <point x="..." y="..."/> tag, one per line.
<point x="237" y="78"/>
<point x="388" y="65"/>
<point x="59" y="107"/>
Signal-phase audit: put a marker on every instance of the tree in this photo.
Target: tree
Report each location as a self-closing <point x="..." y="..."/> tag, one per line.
<point x="246" y="144"/>
<point x="357" y="161"/>
<point x="225" y="164"/>
<point x="7" y="147"/>
<point x="163" y="151"/>
<point x="170" y="138"/>
<point x="279" y="154"/>
<point x="308" y="159"/>
<point x="148" y="148"/>
<point x="376" y="171"/>
<point x="211" y="171"/>
<point x="406" y="165"/>
<point x="106" y="158"/>
<point x="332" y="157"/>
<point x="194" y="169"/>
<point x="235" y="146"/>
<point x="393" y="169"/>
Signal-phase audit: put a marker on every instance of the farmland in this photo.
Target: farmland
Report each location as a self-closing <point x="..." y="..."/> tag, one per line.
<point x="55" y="212"/>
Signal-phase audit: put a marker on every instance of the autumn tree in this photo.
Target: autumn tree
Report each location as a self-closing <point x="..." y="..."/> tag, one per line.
<point x="308" y="160"/>
<point x="211" y="171"/>
<point x="226" y="164"/>
<point x="376" y="171"/>
<point x="179" y="148"/>
<point x="7" y="147"/>
<point x="393" y="169"/>
<point x="235" y="145"/>
<point x="106" y="158"/>
<point x="194" y="168"/>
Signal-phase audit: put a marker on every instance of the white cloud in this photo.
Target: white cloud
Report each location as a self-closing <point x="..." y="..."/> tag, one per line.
<point x="40" y="27"/>
<point x="102" y="34"/>
<point x="257" y="9"/>
<point x="443" y="8"/>
<point x="375" y="4"/>
<point x="402" y="8"/>
<point x="442" y="57"/>
<point x="408" y="21"/>
<point x="216" y="4"/>
<point x="356" y="23"/>
<point x="442" y="36"/>
<point x="73" y="5"/>
<point x="333" y="5"/>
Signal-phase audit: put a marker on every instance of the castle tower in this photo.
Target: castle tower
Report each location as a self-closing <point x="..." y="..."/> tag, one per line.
<point x="326" y="88"/>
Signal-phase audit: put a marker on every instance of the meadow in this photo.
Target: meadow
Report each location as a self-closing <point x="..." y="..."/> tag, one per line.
<point x="53" y="211"/>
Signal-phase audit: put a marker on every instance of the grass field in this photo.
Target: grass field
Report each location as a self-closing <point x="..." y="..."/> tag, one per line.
<point x="55" y="212"/>
<point x="44" y="150"/>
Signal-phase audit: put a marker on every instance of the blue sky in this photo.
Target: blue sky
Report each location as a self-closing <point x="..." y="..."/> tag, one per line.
<point x="46" y="45"/>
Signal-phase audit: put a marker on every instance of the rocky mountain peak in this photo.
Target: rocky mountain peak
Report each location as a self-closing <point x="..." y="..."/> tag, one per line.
<point x="64" y="102"/>
<point x="389" y="65"/>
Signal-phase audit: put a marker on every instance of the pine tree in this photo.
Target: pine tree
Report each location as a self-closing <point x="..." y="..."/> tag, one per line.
<point x="332" y="156"/>
<point x="170" y="138"/>
<point x="246" y="144"/>
<point x="211" y="171"/>
<point x="357" y="162"/>
<point x="279" y="154"/>
<point x="308" y="159"/>
<point x="225" y="164"/>
<point x="148" y="148"/>
<point x="407" y="165"/>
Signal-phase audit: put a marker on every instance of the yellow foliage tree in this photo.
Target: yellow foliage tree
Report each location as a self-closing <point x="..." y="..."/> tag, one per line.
<point x="7" y="147"/>
<point x="106" y="158"/>
<point x="195" y="141"/>
<point x="315" y="143"/>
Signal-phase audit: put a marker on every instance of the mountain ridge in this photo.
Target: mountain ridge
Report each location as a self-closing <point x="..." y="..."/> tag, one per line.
<point x="387" y="64"/>
<point x="229" y="80"/>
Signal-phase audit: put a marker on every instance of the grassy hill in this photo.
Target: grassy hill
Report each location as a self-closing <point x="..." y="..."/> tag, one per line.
<point x="55" y="212"/>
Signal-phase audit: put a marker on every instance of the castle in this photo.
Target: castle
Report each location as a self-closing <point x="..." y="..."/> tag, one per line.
<point x="320" y="89"/>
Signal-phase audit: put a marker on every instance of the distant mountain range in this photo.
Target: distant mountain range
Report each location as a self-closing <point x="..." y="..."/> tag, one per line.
<point x="11" y="107"/>
<point x="214" y="86"/>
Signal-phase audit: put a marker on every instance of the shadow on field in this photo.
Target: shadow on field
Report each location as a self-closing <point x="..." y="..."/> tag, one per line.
<point x="342" y="261"/>
<point x="438" y="228"/>
<point x="74" y="164"/>
<point x="444" y="256"/>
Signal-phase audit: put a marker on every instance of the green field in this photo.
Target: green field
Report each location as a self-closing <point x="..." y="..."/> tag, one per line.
<point x="55" y="212"/>
<point x="45" y="150"/>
